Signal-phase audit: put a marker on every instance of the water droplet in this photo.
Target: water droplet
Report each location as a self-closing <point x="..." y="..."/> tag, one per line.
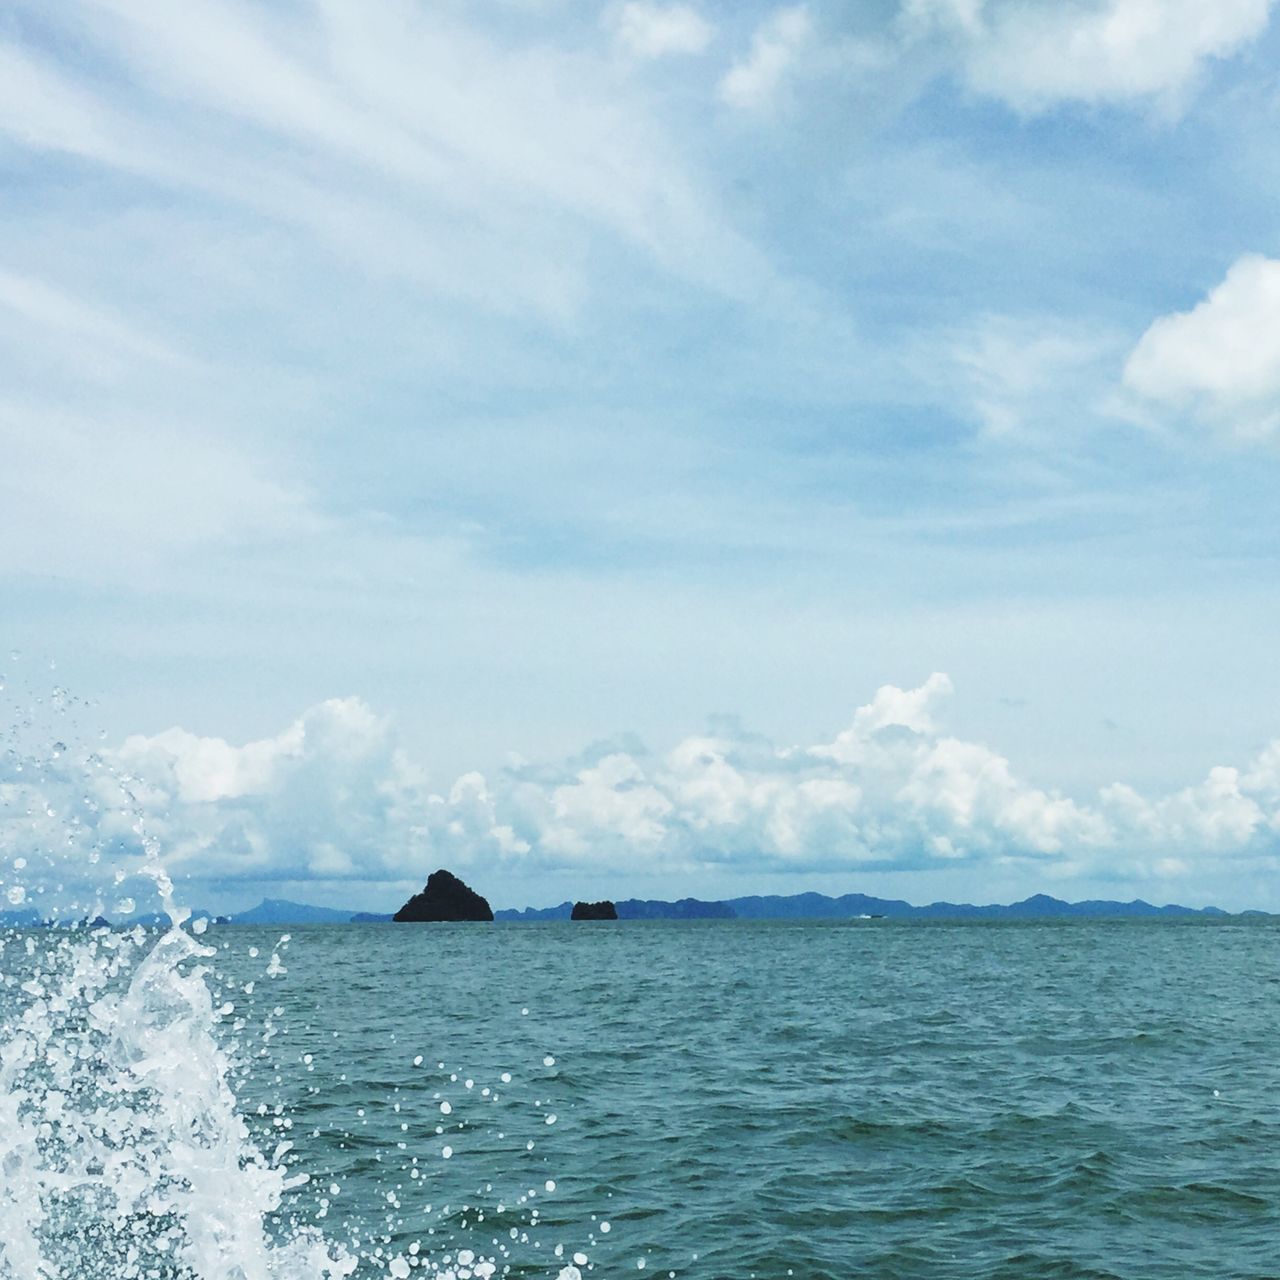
<point x="447" y="1153"/>
<point x="17" y="895"/>
<point x="548" y="1061"/>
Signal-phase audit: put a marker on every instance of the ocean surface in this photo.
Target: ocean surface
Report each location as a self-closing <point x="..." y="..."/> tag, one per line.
<point x="713" y="1099"/>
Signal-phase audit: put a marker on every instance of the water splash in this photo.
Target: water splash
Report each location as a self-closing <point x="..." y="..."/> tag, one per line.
<point x="124" y="1154"/>
<point x="121" y="1147"/>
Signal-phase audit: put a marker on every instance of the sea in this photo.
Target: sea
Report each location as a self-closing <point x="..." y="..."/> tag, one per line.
<point x="862" y="1098"/>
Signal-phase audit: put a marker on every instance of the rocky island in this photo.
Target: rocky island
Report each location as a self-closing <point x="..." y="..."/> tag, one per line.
<point x="445" y="899"/>
<point x="594" y="911"/>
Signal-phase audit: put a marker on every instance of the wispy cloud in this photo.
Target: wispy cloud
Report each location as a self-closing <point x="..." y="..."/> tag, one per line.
<point x="1035" y="379"/>
<point x="98" y="335"/>
<point x="661" y="30"/>
<point x="398" y="138"/>
<point x="754" y="81"/>
<point x="1038" y="55"/>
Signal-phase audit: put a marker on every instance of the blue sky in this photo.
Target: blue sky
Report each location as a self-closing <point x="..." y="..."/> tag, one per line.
<point x="552" y="383"/>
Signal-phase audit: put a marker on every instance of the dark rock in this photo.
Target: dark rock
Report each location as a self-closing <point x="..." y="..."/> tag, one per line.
<point x="594" y="911"/>
<point x="445" y="898"/>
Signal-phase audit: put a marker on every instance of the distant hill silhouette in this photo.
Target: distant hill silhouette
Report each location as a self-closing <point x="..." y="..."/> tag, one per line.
<point x="681" y="909"/>
<point x="23" y="918"/>
<point x="629" y="909"/>
<point x="818" y="906"/>
<point x="798" y="906"/>
<point x="535" y="915"/>
<point x="281" y="911"/>
<point x="850" y="906"/>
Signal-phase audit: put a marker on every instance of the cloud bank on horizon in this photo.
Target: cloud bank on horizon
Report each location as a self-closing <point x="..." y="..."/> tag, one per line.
<point x="334" y="800"/>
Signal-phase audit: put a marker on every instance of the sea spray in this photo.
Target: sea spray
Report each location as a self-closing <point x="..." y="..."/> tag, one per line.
<point x="125" y="1153"/>
<point x="122" y="1150"/>
<point x="123" y="1145"/>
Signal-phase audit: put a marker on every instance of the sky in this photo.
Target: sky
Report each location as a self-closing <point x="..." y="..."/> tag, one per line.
<point x="650" y="448"/>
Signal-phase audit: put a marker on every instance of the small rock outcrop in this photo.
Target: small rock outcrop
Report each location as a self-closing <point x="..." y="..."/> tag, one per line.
<point x="594" y="911"/>
<point x="445" y="898"/>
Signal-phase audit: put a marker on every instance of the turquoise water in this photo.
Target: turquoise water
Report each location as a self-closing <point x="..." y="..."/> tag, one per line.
<point x="743" y="1099"/>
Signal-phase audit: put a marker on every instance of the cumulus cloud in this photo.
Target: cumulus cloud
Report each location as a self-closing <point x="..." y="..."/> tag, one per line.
<point x="333" y="799"/>
<point x="1219" y="362"/>
<point x="753" y="82"/>
<point x="1036" y="55"/>
<point x="662" y="30"/>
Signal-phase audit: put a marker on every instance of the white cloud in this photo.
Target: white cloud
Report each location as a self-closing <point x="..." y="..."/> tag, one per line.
<point x="405" y="143"/>
<point x="661" y="30"/>
<point x="753" y="82"/>
<point x="1032" y="376"/>
<point x="332" y="798"/>
<point x="1220" y="361"/>
<point x="104" y="343"/>
<point x="891" y="708"/>
<point x="921" y="15"/>
<point x="1033" y="55"/>
<point x="76" y="506"/>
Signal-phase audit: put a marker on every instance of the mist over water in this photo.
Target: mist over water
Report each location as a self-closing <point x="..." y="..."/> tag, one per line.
<point x="715" y="1099"/>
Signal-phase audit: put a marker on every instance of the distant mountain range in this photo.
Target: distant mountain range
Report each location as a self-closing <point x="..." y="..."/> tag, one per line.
<point x="817" y="906"/>
<point x="799" y="906"/>
<point x="281" y="911"/>
<point x="852" y="906"/>
<point x="630" y="909"/>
